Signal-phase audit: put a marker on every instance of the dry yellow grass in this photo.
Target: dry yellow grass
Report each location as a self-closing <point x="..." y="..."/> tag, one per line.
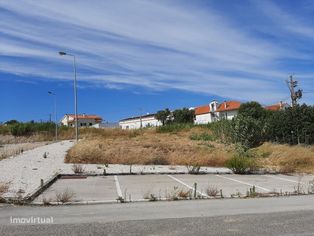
<point x="285" y="158"/>
<point x="115" y="146"/>
<point x="147" y="147"/>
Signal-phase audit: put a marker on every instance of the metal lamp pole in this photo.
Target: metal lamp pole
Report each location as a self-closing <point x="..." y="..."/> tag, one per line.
<point x="55" y="106"/>
<point x="75" y="92"/>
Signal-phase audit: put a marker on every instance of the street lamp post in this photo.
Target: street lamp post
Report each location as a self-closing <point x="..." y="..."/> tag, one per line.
<point x="55" y="107"/>
<point x="75" y="92"/>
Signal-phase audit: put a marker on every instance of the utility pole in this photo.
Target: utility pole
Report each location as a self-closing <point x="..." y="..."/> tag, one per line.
<point x="141" y="122"/>
<point x="295" y="95"/>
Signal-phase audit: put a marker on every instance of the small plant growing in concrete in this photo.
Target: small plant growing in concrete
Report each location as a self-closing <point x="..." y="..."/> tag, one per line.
<point x="120" y="199"/>
<point x="65" y="196"/>
<point x="299" y="188"/>
<point x="194" y="170"/>
<point x="185" y="194"/>
<point x="46" y="201"/>
<point x="4" y="188"/>
<point x="212" y="191"/>
<point x="311" y="187"/>
<point x="252" y="192"/>
<point x="45" y="155"/>
<point x="78" y="169"/>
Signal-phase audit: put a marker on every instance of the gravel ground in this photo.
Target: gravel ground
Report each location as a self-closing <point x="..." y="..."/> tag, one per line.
<point x="25" y="170"/>
<point x="7" y="150"/>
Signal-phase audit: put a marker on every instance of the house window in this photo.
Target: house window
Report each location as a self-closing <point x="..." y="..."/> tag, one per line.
<point x="90" y="124"/>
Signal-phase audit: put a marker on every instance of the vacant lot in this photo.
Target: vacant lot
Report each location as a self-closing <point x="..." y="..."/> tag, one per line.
<point x="149" y="147"/>
<point x="189" y="146"/>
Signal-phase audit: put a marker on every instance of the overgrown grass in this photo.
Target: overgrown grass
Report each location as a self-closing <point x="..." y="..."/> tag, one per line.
<point x="174" y="128"/>
<point x="148" y="146"/>
<point x="202" y="136"/>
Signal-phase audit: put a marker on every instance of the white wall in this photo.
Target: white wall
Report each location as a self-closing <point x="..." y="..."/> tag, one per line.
<point x="229" y="115"/>
<point x="86" y="122"/>
<point x="203" y="118"/>
<point x="136" y="123"/>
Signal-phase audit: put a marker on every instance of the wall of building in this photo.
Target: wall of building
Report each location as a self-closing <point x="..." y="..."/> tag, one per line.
<point x="203" y="118"/>
<point x="228" y="114"/>
<point x="86" y="122"/>
<point x="136" y="123"/>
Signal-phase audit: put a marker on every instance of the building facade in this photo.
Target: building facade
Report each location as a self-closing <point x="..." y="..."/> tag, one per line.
<point x="82" y="120"/>
<point x="215" y="111"/>
<point x="206" y="114"/>
<point x="139" y="122"/>
<point x="228" y="110"/>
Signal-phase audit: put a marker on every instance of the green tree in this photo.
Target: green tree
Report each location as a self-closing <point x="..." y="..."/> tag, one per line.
<point x="252" y="109"/>
<point x="163" y="116"/>
<point x="183" y="116"/>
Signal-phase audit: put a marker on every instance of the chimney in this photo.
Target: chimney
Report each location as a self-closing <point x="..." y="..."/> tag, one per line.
<point x="225" y="104"/>
<point x="84" y="114"/>
<point x="280" y="104"/>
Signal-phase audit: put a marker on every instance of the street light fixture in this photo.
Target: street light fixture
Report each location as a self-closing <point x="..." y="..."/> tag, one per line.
<point x="75" y="92"/>
<point x="55" y="107"/>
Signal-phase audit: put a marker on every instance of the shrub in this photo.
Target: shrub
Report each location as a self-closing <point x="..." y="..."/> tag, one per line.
<point x="247" y="131"/>
<point x="212" y="191"/>
<point x="202" y="136"/>
<point x="221" y="130"/>
<point x="174" y="127"/>
<point x="241" y="164"/>
<point x="158" y="160"/>
<point x="65" y="196"/>
<point x="78" y="169"/>
<point x="4" y="188"/>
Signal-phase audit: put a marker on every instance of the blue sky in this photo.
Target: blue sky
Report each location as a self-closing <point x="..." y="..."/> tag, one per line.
<point x="141" y="56"/>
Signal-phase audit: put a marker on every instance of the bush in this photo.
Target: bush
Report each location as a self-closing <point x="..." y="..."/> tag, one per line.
<point x="221" y="130"/>
<point x="158" y="160"/>
<point x="247" y="131"/>
<point x="241" y="164"/>
<point x="173" y="128"/>
<point x="202" y="136"/>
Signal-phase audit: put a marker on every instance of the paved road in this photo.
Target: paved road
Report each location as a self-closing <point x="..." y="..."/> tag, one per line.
<point x="268" y="216"/>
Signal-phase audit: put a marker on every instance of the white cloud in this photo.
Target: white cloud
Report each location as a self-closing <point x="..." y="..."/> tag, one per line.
<point x="153" y="44"/>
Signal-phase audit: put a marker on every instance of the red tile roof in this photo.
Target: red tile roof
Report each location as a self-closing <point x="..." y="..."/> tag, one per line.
<point x="85" y="116"/>
<point x="202" y="110"/>
<point x="229" y="106"/>
<point x="276" y="107"/>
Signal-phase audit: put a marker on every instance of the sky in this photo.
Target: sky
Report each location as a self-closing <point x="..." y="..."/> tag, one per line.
<point x="137" y="57"/>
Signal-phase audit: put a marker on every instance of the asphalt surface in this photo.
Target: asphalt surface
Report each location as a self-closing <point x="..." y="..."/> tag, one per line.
<point x="139" y="187"/>
<point x="264" y="216"/>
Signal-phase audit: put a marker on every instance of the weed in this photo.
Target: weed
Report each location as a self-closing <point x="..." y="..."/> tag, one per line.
<point x="158" y="160"/>
<point x="194" y="170"/>
<point x="311" y="186"/>
<point x="78" y="169"/>
<point x="212" y="191"/>
<point x="65" y="196"/>
<point x="4" y="188"/>
<point x="241" y="164"/>
<point x="46" y="201"/>
<point x="202" y="136"/>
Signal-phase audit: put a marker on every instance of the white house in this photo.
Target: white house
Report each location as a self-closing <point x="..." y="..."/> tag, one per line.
<point x="206" y="114"/>
<point x="228" y="110"/>
<point x="82" y="120"/>
<point x="215" y="111"/>
<point x="139" y="122"/>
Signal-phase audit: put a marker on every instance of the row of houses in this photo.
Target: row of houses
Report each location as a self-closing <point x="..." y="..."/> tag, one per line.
<point x="205" y="114"/>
